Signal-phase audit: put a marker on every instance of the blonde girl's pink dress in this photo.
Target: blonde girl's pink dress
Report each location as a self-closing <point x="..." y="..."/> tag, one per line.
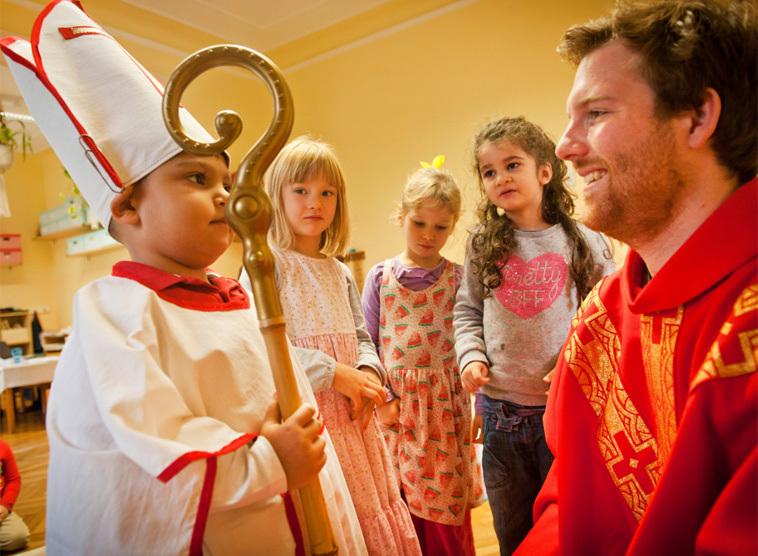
<point x="315" y="298"/>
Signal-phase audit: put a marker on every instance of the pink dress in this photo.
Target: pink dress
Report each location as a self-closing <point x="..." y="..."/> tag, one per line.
<point x="430" y="445"/>
<point x="316" y="305"/>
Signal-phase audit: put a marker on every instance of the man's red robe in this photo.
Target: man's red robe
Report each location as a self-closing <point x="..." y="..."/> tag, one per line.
<point x="652" y="414"/>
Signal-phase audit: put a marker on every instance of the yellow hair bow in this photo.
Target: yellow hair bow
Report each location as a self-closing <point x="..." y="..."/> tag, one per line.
<point x="436" y="163"/>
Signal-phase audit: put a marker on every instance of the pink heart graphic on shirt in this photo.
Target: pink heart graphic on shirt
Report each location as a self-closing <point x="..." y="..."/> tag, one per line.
<point x="530" y="287"/>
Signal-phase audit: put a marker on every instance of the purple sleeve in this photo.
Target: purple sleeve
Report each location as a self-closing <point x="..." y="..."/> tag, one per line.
<point x="371" y="301"/>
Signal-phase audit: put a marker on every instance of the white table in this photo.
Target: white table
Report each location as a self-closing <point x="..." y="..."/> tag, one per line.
<point x="37" y="371"/>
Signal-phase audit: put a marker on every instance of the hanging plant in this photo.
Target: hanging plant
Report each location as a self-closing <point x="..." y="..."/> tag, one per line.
<point x="15" y="138"/>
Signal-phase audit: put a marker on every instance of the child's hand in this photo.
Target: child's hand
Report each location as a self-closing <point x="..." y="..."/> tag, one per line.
<point x="477" y="434"/>
<point x="389" y="413"/>
<point x="362" y="388"/>
<point x="297" y="442"/>
<point x="474" y="376"/>
<point x="369" y="405"/>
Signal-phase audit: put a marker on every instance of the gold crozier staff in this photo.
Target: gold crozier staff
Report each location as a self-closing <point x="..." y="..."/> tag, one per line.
<point x="248" y="212"/>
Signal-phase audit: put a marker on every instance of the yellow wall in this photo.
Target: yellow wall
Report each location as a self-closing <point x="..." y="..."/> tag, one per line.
<point x="23" y="286"/>
<point x="426" y="90"/>
<point x="385" y="103"/>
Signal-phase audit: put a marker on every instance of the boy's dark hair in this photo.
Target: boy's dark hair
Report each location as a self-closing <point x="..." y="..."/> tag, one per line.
<point x="493" y="241"/>
<point x="687" y="46"/>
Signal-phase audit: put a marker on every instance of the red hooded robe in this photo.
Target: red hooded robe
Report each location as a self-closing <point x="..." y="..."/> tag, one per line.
<point x="652" y="414"/>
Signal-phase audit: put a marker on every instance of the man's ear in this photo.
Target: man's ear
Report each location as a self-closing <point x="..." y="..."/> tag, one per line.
<point x="704" y="119"/>
<point x="123" y="207"/>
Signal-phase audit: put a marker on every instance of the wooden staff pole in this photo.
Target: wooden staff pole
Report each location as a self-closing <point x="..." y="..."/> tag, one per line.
<point x="248" y="212"/>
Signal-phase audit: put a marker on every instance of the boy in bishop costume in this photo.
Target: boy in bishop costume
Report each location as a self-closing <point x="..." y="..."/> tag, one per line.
<point x="164" y="434"/>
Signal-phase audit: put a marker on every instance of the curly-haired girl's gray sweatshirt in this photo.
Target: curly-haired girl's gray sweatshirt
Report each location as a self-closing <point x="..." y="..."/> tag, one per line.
<point x="520" y="328"/>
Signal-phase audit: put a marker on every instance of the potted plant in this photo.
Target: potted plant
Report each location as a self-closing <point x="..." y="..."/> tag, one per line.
<point x="11" y="139"/>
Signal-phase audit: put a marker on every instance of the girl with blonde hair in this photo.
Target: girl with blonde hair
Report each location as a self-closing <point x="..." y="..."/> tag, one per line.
<point x="325" y="324"/>
<point x="408" y="302"/>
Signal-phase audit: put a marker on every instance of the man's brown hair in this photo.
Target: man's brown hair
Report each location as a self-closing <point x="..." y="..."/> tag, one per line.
<point x="686" y="47"/>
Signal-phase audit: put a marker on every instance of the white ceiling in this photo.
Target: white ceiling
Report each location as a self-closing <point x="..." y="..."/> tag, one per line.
<point x="259" y="24"/>
<point x="264" y="23"/>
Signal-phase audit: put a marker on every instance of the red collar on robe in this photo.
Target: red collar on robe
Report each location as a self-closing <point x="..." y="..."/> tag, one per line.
<point x="724" y="242"/>
<point x="222" y="294"/>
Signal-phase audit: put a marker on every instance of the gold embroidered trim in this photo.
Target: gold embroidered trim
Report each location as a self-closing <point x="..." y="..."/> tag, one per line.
<point x="628" y="447"/>
<point x="748" y="301"/>
<point x="714" y="365"/>
<point x="633" y="455"/>
<point x="658" y="337"/>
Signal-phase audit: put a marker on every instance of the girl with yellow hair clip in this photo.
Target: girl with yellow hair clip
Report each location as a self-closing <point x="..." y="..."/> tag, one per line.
<point x="408" y="302"/>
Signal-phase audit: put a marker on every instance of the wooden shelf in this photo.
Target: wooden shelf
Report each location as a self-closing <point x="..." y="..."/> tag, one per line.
<point x="21" y="335"/>
<point x="14" y="313"/>
<point x="70" y="232"/>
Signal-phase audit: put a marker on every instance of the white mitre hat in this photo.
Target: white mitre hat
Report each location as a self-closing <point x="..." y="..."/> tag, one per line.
<point x="98" y="107"/>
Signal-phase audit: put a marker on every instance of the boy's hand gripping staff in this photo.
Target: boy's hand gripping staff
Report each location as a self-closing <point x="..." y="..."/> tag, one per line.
<point x="248" y="212"/>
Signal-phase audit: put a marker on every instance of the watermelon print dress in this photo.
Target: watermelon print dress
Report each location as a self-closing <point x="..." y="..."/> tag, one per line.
<point x="314" y="294"/>
<point x="435" y="462"/>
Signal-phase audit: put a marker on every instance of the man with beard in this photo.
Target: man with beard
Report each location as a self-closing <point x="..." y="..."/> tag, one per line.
<point x="652" y="413"/>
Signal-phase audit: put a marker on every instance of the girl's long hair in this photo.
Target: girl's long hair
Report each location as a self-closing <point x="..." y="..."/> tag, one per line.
<point x="494" y="239"/>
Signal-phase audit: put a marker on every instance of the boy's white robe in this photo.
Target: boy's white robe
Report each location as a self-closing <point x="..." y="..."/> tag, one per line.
<point x="153" y="405"/>
<point x="150" y="419"/>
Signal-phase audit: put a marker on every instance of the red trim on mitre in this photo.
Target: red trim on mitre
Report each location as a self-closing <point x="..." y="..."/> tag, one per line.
<point x="73" y="32"/>
<point x="294" y="523"/>
<point x="21" y="60"/>
<point x="5" y="43"/>
<point x="42" y="76"/>
<point x="70" y="33"/>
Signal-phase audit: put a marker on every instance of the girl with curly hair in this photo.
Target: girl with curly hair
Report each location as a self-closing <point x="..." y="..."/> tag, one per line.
<point x="528" y="266"/>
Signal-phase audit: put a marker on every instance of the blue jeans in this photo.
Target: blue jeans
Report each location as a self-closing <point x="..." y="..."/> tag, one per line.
<point x="515" y="462"/>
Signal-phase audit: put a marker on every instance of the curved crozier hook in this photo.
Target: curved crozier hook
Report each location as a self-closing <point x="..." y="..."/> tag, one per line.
<point x="248" y="209"/>
<point x="228" y="124"/>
